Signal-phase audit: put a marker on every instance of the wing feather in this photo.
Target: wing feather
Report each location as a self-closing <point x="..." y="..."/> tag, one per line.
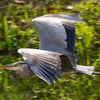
<point x="45" y="64"/>
<point x="52" y="66"/>
<point x="53" y="29"/>
<point x="72" y="17"/>
<point x="38" y="74"/>
<point x="42" y="76"/>
<point x="50" y="60"/>
<point x="53" y="71"/>
<point x="48" y="73"/>
<point x="57" y="33"/>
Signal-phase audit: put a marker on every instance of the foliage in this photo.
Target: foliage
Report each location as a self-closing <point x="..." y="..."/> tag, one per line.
<point x="16" y="31"/>
<point x="48" y="1"/>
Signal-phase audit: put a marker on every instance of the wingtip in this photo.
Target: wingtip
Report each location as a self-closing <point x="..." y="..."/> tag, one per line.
<point x="58" y="77"/>
<point x="19" y="50"/>
<point x="32" y="21"/>
<point x="35" y="20"/>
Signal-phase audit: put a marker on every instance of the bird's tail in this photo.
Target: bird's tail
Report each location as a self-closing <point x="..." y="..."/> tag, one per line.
<point x="84" y="69"/>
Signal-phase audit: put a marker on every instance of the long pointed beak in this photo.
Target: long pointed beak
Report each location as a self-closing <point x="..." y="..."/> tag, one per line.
<point x="6" y="66"/>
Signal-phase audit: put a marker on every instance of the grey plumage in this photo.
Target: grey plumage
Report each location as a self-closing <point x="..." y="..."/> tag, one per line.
<point x="45" y="64"/>
<point x="56" y="51"/>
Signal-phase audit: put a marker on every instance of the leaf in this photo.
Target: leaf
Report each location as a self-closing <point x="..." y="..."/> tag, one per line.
<point x="48" y="1"/>
<point x="76" y="11"/>
<point x="49" y="9"/>
<point x="21" y="2"/>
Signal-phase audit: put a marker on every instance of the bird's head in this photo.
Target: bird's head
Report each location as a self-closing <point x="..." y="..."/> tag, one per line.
<point x="22" y="69"/>
<point x="18" y="66"/>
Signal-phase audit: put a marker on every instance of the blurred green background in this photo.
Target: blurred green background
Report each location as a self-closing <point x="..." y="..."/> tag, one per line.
<point x="17" y="31"/>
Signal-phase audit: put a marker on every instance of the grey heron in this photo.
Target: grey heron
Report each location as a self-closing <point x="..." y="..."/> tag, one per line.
<point x="56" y="51"/>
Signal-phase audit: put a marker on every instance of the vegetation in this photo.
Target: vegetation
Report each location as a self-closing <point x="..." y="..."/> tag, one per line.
<point x="16" y="31"/>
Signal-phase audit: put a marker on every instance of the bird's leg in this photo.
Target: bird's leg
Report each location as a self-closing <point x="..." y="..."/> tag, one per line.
<point x="96" y="73"/>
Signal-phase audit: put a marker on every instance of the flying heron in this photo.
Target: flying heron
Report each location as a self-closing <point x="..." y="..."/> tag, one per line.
<point x="56" y="51"/>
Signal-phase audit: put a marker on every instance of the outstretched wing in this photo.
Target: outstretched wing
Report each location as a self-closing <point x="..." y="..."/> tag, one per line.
<point x="45" y="64"/>
<point x="57" y="33"/>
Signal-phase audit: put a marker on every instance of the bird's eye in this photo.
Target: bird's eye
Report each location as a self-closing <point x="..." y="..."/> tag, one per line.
<point x="15" y="64"/>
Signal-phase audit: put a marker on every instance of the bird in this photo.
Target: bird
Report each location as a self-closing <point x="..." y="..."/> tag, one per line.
<point x="56" y="51"/>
